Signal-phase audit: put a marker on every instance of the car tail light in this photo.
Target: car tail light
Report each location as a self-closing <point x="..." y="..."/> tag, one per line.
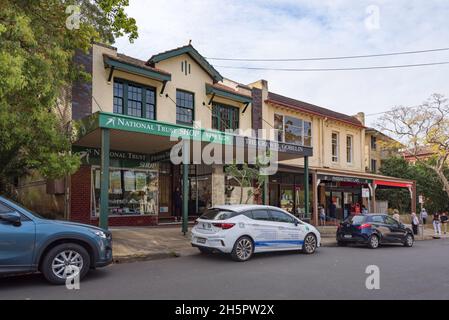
<point x="364" y="226"/>
<point x="224" y="226"/>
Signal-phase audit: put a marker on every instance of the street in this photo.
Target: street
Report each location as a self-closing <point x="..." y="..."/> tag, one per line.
<point x="332" y="273"/>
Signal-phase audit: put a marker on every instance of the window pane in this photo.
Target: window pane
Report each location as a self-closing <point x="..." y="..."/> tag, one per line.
<point x="134" y="100"/>
<point x="261" y="215"/>
<point x="335" y="147"/>
<point x="293" y="134"/>
<point x="184" y="107"/>
<point x="278" y="216"/>
<point x="349" y="149"/>
<point x="118" y="97"/>
<point x="150" y="104"/>
<point x="225" y="117"/>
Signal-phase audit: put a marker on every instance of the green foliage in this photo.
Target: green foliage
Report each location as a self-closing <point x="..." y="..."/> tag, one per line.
<point x="428" y="184"/>
<point x="36" y="69"/>
<point x="247" y="176"/>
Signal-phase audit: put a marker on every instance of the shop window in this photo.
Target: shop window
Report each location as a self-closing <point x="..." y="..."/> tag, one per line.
<point x="134" y="99"/>
<point x="349" y="153"/>
<point x="335" y="146"/>
<point x="131" y="192"/>
<point x="225" y="117"/>
<point x="184" y="107"/>
<point x="293" y="130"/>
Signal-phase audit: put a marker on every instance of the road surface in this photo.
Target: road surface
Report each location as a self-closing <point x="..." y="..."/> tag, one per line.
<point x="420" y="272"/>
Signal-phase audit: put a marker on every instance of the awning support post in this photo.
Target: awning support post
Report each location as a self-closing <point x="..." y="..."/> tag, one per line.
<point x="306" y="185"/>
<point x="315" y="183"/>
<point x="265" y="191"/>
<point x="185" y="186"/>
<point x="104" y="179"/>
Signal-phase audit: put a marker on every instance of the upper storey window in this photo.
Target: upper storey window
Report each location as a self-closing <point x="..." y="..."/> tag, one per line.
<point x="134" y="99"/>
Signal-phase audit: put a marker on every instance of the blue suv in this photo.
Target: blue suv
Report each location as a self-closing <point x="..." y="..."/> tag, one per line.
<point x="58" y="249"/>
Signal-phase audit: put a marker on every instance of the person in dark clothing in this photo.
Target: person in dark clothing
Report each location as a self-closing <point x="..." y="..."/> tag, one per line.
<point x="177" y="197"/>
<point x="444" y="218"/>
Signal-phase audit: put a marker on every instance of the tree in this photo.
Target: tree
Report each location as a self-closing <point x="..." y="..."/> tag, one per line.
<point x="428" y="184"/>
<point x="247" y="176"/>
<point x="38" y="40"/>
<point x="425" y="125"/>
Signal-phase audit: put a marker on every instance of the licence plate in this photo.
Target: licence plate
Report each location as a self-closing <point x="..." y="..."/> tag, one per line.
<point x="201" y="240"/>
<point x="348" y="236"/>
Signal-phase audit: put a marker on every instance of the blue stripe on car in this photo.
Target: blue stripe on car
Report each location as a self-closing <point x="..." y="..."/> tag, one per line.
<point x="277" y="242"/>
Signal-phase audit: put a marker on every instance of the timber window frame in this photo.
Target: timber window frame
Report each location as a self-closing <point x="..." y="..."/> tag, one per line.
<point x="134" y="99"/>
<point x="225" y="117"/>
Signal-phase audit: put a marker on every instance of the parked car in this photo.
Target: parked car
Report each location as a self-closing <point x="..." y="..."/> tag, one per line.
<point x="30" y="243"/>
<point x="373" y="230"/>
<point x="242" y="230"/>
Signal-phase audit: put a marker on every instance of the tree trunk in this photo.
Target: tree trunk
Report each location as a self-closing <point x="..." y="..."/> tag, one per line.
<point x="443" y="179"/>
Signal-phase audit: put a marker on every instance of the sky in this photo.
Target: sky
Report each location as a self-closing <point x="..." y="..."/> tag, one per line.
<point x="302" y="29"/>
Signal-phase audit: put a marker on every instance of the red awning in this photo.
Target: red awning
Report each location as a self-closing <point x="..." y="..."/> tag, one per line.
<point x="393" y="183"/>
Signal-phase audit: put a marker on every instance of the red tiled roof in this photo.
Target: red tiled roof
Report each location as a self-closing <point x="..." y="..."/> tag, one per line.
<point x="133" y="61"/>
<point x="312" y="109"/>
<point x="220" y="86"/>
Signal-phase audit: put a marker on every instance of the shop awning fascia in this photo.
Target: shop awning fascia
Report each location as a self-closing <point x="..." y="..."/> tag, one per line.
<point x="210" y="89"/>
<point x="398" y="184"/>
<point x="107" y="120"/>
<point x="112" y="63"/>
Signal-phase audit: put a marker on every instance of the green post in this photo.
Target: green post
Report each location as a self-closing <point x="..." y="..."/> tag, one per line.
<point x="185" y="186"/>
<point x="104" y="179"/>
<point x="306" y="185"/>
<point x="265" y="191"/>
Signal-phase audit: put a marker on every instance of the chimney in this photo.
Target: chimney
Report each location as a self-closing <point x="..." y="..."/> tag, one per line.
<point x="361" y="117"/>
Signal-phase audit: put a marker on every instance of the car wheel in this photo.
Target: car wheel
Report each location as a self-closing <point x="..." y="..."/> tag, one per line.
<point x="243" y="249"/>
<point x="341" y="244"/>
<point x="64" y="261"/>
<point x="373" y="242"/>
<point x="409" y="240"/>
<point x="204" y="250"/>
<point x="310" y="244"/>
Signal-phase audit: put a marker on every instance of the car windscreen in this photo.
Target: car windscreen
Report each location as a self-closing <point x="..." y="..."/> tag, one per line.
<point x="217" y="214"/>
<point x="356" y="220"/>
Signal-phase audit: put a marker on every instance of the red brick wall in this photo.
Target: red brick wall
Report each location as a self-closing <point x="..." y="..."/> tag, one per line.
<point x="80" y="195"/>
<point x="80" y="199"/>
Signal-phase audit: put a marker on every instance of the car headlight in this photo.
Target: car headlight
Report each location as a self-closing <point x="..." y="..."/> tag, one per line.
<point x="99" y="233"/>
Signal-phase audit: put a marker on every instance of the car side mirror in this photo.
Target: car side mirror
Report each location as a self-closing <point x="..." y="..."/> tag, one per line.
<point x="12" y="218"/>
<point x="296" y="223"/>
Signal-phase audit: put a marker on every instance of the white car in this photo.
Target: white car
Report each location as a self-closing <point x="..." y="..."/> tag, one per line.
<point x="243" y="230"/>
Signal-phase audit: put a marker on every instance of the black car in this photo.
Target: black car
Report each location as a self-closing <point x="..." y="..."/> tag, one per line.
<point x="373" y="230"/>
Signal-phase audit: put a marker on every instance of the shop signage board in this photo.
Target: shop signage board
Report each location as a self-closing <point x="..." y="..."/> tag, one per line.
<point x="123" y="159"/>
<point x="328" y="177"/>
<point x="365" y="193"/>
<point x="132" y="124"/>
<point x="120" y="122"/>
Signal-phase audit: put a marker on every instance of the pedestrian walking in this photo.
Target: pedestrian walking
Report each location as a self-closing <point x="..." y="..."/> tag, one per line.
<point x="415" y="223"/>
<point x="424" y="215"/>
<point x="178" y="204"/>
<point x="322" y="215"/>
<point x="396" y="215"/>
<point x="437" y="224"/>
<point x="444" y="218"/>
